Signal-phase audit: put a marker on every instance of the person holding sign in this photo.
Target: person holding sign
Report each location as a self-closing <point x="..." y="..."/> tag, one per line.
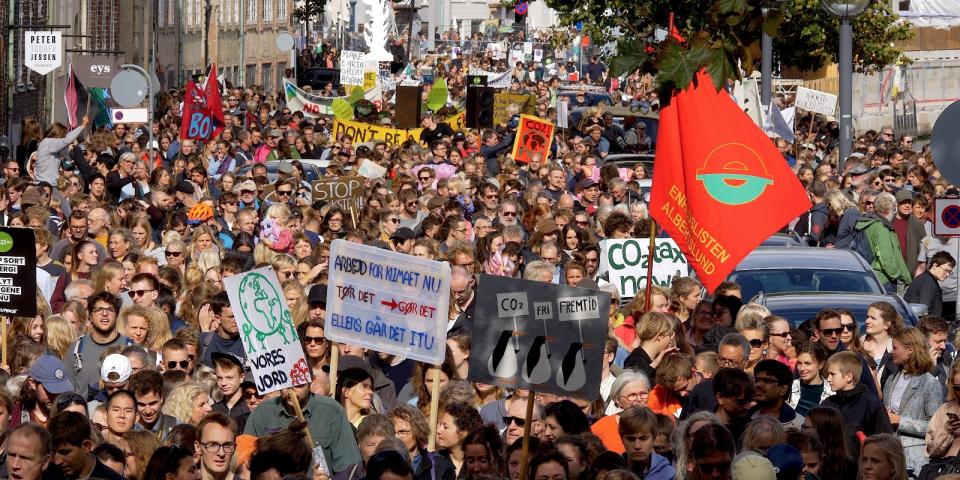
<point x="326" y="422"/>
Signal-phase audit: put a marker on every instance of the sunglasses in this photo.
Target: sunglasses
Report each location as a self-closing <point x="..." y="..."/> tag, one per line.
<point x="424" y="179"/>
<point x="756" y="343"/>
<point x="509" y="214"/>
<point x="850" y="327"/>
<point x="172" y="254"/>
<point x="394" y="220"/>
<point x="317" y="340"/>
<point x="781" y="335"/>
<point x="183" y="364"/>
<point x="139" y="293"/>
<point x="285" y="193"/>
<point x="517" y="420"/>
<point x="831" y="331"/>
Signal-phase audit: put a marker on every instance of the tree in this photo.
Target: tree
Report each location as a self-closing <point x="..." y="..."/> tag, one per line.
<point x="723" y="36"/>
<point x="309" y="11"/>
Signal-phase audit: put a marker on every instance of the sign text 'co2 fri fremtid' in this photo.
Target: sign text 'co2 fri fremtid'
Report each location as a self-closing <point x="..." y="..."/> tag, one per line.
<point x="387" y="301"/>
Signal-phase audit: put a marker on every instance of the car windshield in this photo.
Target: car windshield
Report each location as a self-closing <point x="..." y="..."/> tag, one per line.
<point x="798" y="314"/>
<point x="804" y="280"/>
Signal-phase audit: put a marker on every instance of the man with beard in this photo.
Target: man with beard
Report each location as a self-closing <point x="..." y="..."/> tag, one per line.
<point x="878" y="229"/>
<point x="772" y="383"/>
<point x="325" y="419"/>
<point x="46" y="379"/>
<point x="147" y="388"/>
<point x="85" y="352"/>
<point x="77" y="231"/>
<point x="72" y="448"/>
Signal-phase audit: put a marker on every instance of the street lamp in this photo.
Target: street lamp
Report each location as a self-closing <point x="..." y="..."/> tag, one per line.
<point x="766" y="56"/>
<point x="845" y="9"/>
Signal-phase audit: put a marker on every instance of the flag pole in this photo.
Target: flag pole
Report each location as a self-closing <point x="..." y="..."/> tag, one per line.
<point x="650" y="249"/>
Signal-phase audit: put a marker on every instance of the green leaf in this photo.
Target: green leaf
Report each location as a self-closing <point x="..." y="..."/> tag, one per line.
<point x="342" y="109"/>
<point x="677" y="66"/>
<point x="731" y="7"/>
<point x="772" y="21"/>
<point x="720" y="66"/>
<point x="355" y="95"/>
<point x="437" y="98"/>
<point x="631" y="55"/>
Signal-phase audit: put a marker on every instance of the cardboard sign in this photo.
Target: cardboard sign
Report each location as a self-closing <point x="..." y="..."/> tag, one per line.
<point x="269" y="338"/>
<point x="539" y="336"/>
<point x="625" y="261"/>
<point x="42" y="51"/>
<point x="388" y="302"/>
<point x="351" y="67"/>
<point x="525" y="102"/>
<point x="95" y="70"/>
<point x="534" y="136"/>
<point x="816" y="101"/>
<point x="344" y="192"/>
<point x="18" y="272"/>
<point x="370" y="80"/>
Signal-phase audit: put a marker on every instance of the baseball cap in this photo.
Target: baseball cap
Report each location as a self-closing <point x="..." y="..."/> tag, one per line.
<point x="904" y="196"/>
<point x="547" y="225"/>
<point x="317" y="294"/>
<point x="276" y="132"/>
<point x="50" y="372"/>
<point x="585" y="184"/>
<point x="786" y="460"/>
<point x="859" y="169"/>
<point x="229" y="357"/>
<point x="404" y="233"/>
<point x="115" y="368"/>
<point x="30" y="196"/>
<point x="245" y="185"/>
<point x="749" y="465"/>
<point x="285" y="167"/>
<point x="952" y="192"/>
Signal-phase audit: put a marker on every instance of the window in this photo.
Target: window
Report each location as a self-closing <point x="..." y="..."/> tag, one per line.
<point x="201" y="14"/>
<point x="171" y="13"/>
<point x="251" y="75"/>
<point x="281" y="71"/>
<point x="282" y="10"/>
<point x="237" y="5"/>
<point x="266" y="74"/>
<point x="267" y="10"/>
<point x="161" y="12"/>
<point x="188" y="20"/>
<point x="251" y="11"/>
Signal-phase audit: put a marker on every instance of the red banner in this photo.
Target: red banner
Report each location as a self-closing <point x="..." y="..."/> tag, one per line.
<point x="720" y="185"/>
<point x="202" y="116"/>
<point x="534" y="136"/>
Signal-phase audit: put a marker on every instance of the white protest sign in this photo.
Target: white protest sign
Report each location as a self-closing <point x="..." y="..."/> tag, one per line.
<point x="537" y="55"/>
<point x="351" y="67"/>
<point x="387" y="301"/>
<point x="816" y="101"/>
<point x="269" y="338"/>
<point x="42" y="51"/>
<point x="625" y="261"/>
<point x="371" y="169"/>
<point x="528" y="48"/>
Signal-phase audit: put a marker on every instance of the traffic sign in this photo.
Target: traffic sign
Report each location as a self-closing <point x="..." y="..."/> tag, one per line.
<point x="945" y="143"/>
<point x="946" y="217"/>
<point x="128" y="88"/>
<point x="129" y="115"/>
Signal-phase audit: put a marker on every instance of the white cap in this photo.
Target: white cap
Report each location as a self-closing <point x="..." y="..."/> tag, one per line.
<point x="115" y="368"/>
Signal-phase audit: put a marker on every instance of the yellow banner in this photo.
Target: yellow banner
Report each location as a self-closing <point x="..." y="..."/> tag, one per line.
<point x="392" y="137"/>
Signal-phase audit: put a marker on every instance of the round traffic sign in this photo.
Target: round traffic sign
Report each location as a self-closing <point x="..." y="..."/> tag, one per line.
<point x="285" y="41"/>
<point x="951" y="216"/>
<point x="945" y="143"/>
<point x="128" y="88"/>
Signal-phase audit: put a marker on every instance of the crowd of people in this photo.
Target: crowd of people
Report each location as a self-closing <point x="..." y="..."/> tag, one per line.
<point x="134" y="366"/>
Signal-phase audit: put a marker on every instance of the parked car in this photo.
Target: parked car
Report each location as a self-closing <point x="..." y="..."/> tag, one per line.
<point x="790" y="269"/>
<point x="318" y="77"/>
<point x="788" y="239"/>
<point x="798" y="307"/>
<point x="310" y="172"/>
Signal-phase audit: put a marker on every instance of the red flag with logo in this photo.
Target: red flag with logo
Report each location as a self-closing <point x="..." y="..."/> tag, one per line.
<point x="720" y="185"/>
<point x="214" y="102"/>
<point x="192" y="114"/>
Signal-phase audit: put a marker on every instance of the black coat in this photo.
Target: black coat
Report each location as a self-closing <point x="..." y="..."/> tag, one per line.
<point x="925" y="289"/>
<point x="862" y="411"/>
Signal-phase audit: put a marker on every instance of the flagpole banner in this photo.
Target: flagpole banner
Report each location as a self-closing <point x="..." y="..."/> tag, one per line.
<point x="719" y="192"/>
<point x="534" y="136"/>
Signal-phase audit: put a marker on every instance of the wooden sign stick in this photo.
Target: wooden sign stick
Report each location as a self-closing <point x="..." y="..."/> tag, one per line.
<point x="650" y="250"/>
<point x="334" y="360"/>
<point x="525" y="448"/>
<point x="434" y="409"/>
<point x="298" y="411"/>
<point x="3" y="341"/>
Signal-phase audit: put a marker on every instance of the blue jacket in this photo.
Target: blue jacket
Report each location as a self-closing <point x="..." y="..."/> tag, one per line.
<point x="660" y="469"/>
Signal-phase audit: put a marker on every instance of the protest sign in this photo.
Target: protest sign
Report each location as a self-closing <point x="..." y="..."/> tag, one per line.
<point x="494" y="79"/>
<point x="370" y="80"/>
<point x="816" y="101"/>
<point x="344" y="192"/>
<point x="625" y="261"/>
<point x="388" y="302"/>
<point x="539" y="336"/>
<point x="301" y="101"/>
<point x="534" y="135"/>
<point x="18" y="272"/>
<point x="372" y="170"/>
<point x="269" y="338"/>
<point x="367" y="132"/>
<point x="351" y="67"/>
<point x="525" y="103"/>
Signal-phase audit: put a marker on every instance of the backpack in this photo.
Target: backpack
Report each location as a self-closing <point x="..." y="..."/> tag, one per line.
<point x="861" y="245"/>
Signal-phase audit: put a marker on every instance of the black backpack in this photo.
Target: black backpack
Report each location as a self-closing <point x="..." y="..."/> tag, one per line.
<point x="861" y="244"/>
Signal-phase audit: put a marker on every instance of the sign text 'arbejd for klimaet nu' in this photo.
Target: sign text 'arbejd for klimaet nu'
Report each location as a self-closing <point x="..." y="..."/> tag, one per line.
<point x="625" y="261"/>
<point x="18" y="272"/>
<point x="269" y="338"/>
<point x="539" y="336"/>
<point x="387" y="301"/>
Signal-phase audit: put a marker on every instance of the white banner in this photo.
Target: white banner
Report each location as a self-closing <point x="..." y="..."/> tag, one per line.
<point x="269" y="338"/>
<point x="816" y="101"/>
<point x="388" y="302"/>
<point x="351" y="67"/>
<point x="42" y="51"/>
<point x="312" y="105"/>
<point x="625" y="261"/>
<point x="494" y="79"/>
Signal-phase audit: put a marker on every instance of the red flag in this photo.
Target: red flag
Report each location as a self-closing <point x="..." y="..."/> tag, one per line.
<point x="194" y="122"/>
<point x="214" y="102"/>
<point x="720" y="186"/>
<point x="70" y="98"/>
<point x="674" y="32"/>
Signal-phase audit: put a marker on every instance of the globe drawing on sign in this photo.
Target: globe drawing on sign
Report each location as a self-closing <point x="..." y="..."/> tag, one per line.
<point x="263" y="312"/>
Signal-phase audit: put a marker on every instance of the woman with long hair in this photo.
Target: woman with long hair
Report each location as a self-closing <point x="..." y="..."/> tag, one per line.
<point x="31" y="132"/>
<point x="882" y="458"/>
<point x="171" y="463"/>
<point x="685" y="293"/>
<point x="110" y="277"/>
<point x="138" y="447"/>
<point x="849" y="336"/>
<point x="627" y="332"/>
<point x="700" y="323"/>
<point x="422" y="380"/>
<point x="355" y="394"/>
<point x="830" y="428"/>
<point x="334" y="224"/>
<point x="454" y="423"/>
<point x="811" y="388"/>
<point x="883" y="322"/>
<point x="188" y="402"/>
<point x="49" y="150"/>
<point x="142" y="233"/>
<point x="59" y="334"/>
<point x="913" y="394"/>
<point x="202" y="240"/>
<point x="943" y="431"/>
